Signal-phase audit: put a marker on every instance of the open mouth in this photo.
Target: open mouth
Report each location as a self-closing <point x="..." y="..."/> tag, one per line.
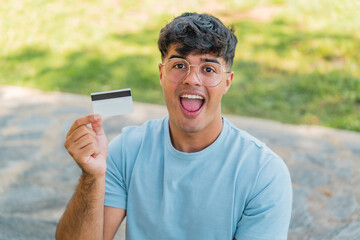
<point x="191" y="104"/>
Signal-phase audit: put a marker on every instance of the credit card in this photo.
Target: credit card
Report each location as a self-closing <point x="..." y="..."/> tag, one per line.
<point x="111" y="103"/>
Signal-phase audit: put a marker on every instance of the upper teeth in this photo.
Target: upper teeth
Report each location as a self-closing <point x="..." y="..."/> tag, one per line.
<point x="192" y="96"/>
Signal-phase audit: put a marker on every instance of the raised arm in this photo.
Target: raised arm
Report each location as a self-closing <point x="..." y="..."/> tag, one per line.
<point x="84" y="216"/>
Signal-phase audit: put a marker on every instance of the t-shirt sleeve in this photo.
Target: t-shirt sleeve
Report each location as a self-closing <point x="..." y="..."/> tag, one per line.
<point x="115" y="185"/>
<point x="267" y="212"/>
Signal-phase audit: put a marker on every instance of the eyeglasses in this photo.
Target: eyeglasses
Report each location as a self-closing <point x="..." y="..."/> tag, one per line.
<point x="210" y="73"/>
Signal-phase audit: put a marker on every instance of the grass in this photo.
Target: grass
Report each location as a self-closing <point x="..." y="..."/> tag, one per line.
<point x="290" y="74"/>
<point x="301" y="66"/>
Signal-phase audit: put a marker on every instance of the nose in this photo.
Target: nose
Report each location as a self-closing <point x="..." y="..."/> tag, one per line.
<point x="192" y="78"/>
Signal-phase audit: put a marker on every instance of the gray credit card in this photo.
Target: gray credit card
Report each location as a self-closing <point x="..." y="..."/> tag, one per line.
<point x="111" y="103"/>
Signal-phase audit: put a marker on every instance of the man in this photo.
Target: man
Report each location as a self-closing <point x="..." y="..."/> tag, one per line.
<point x="191" y="175"/>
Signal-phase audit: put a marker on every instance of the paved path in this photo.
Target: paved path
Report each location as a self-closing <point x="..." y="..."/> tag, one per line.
<point x="37" y="177"/>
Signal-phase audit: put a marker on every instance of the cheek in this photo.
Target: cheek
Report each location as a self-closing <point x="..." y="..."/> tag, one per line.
<point x="217" y="93"/>
<point x="168" y="91"/>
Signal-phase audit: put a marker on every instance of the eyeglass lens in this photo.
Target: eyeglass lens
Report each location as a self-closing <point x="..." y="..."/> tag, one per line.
<point x="209" y="73"/>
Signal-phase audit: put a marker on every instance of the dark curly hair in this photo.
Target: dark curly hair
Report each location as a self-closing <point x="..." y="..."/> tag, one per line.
<point x="201" y="33"/>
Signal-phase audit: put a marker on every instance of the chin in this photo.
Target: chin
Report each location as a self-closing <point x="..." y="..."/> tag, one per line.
<point x="190" y="126"/>
<point x="190" y="130"/>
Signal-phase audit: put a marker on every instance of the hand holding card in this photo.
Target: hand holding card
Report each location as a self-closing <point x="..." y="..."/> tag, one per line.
<point x="111" y="103"/>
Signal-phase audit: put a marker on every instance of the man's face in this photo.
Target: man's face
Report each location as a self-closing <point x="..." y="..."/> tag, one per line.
<point x="192" y="106"/>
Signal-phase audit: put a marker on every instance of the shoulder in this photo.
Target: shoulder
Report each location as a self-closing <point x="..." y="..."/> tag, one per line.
<point x="255" y="156"/>
<point x="243" y="135"/>
<point x="248" y="144"/>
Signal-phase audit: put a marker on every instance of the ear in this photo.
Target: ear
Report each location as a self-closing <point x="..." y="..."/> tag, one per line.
<point x="228" y="81"/>
<point x="160" y="73"/>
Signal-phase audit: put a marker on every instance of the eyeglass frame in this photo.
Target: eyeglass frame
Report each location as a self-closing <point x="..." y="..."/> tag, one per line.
<point x="197" y="71"/>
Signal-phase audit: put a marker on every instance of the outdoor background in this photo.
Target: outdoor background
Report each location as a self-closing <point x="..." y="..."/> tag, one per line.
<point x="297" y="61"/>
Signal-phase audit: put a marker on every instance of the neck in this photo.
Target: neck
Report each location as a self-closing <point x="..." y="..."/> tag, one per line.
<point x="195" y="141"/>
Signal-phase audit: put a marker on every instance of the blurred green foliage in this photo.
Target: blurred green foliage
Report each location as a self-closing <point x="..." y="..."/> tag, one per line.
<point x="296" y="61"/>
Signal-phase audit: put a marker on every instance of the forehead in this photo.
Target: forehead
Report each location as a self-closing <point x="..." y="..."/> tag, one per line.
<point x="195" y="56"/>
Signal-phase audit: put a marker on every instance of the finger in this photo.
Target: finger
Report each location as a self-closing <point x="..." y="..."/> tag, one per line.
<point x="80" y="132"/>
<point x="96" y="149"/>
<point x="75" y="147"/>
<point x="77" y="134"/>
<point x="97" y="126"/>
<point x="83" y="121"/>
<point x="84" y="154"/>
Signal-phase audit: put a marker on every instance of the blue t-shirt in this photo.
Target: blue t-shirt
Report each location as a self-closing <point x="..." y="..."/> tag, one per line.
<point x="236" y="187"/>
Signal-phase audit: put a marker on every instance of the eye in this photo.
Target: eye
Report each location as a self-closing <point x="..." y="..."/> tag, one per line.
<point x="208" y="69"/>
<point x="180" y="66"/>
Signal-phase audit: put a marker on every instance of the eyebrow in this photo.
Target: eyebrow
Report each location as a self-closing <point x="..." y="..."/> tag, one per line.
<point x="176" y="56"/>
<point x="210" y="60"/>
<point x="202" y="59"/>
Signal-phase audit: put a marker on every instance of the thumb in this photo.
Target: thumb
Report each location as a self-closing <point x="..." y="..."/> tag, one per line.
<point x="96" y="125"/>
